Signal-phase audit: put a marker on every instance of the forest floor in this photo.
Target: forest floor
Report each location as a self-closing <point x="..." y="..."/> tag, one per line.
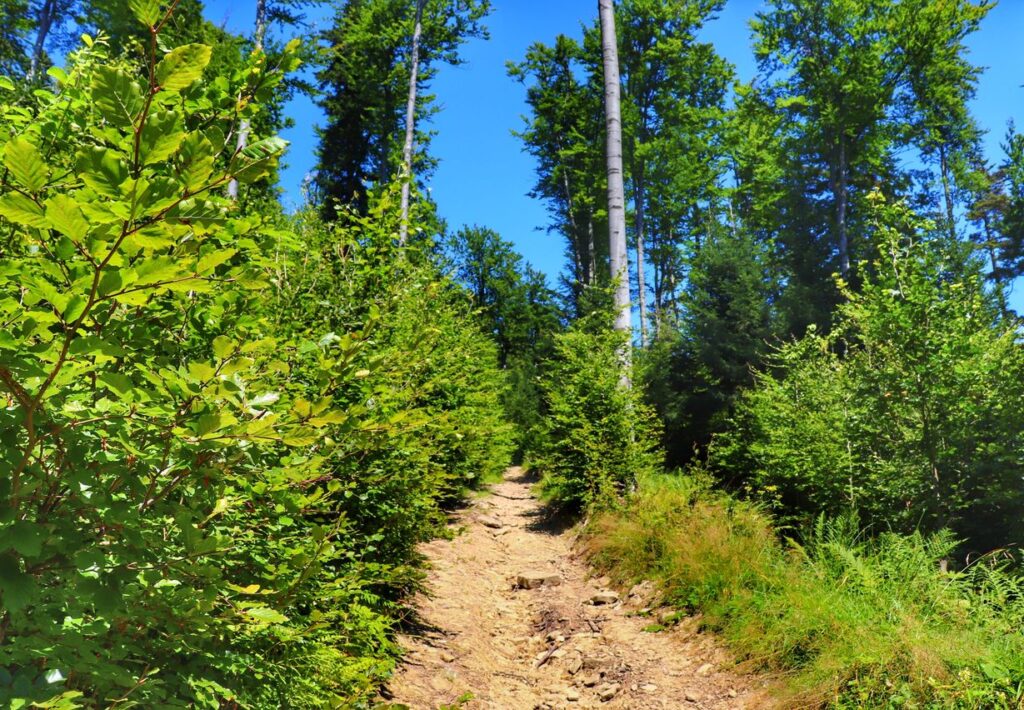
<point x="514" y="621"/>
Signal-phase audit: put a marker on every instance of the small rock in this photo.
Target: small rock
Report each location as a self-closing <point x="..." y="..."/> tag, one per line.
<point x="732" y="693"/>
<point x="648" y="687"/>
<point x="574" y="663"/>
<point x="692" y="697"/>
<point x="667" y="618"/>
<point x="589" y="681"/>
<point x="572" y="695"/>
<point x="604" y="598"/>
<point x="706" y="669"/>
<point x="533" y="580"/>
<point x="607" y="691"/>
<point x="447" y="657"/>
<point x="593" y="663"/>
<point x="490" y="522"/>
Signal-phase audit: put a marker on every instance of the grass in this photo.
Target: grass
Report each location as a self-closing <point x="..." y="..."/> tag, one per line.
<point x="843" y="620"/>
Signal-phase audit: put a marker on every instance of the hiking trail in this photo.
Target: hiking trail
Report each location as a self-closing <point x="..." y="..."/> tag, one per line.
<point x="514" y="620"/>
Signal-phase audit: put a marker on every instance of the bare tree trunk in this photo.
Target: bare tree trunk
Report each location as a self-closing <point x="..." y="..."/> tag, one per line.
<point x="244" y="128"/>
<point x="46" y="17"/>
<point x="570" y="214"/>
<point x="616" y="190"/>
<point x="638" y="198"/>
<point x="841" y="197"/>
<point x="591" y="252"/>
<point x="410" y="123"/>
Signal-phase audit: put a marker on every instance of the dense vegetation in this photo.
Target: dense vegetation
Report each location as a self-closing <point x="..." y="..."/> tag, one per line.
<point x="225" y="428"/>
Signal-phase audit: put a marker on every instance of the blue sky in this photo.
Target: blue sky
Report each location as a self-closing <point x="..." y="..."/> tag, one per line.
<point x="484" y="175"/>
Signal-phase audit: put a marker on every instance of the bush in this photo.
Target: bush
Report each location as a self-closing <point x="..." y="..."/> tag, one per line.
<point x="599" y="436"/>
<point x="909" y="411"/>
<point x="843" y="619"/>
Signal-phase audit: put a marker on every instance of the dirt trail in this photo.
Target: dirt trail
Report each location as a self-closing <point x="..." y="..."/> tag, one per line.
<point x="552" y="646"/>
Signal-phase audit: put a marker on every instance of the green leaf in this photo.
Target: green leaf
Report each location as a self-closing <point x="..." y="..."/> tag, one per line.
<point x="196" y="161"/>
<point x="161" y="136"/>
<point x="202" y="212"/>
<point x="157" y="269"/>
<point x="66" y="217"/>
<point x="16" y="587"/>
<point x="223" y="346"/>
<point x="182" y="66"/>
<point x="214" y="259"/>
<point x="103" y="170"/>
<point x="265" y="615"/>
<point x="25" y="164"/>
<point x="25" y="537"/>
<point x="94" y="345"/>
<point x="146" y="11"/>
<point x="74" y="308"/>
<point x="6" y="83"/>
<point x="116" y="96"/>
<point x="21" y="210"/>
<point x="255" y="161"/>
<point x="116" y="382"/>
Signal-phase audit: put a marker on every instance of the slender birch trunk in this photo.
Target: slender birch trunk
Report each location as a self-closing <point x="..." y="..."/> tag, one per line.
<point x="410" y="123"/>
<point x="46" y="17"/>
<point x="616" y="190"/>
<point x="258" y="36"/>
<point x="842" y="197"/>
<point x="641" y="228"/>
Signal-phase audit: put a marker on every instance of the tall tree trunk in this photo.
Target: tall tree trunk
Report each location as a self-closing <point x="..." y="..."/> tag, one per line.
<point x="946" y="192"/>
<point x="841" y="197"/>
<point x="570" y="214"/>
<point x="591" y="252"/>
<point x="45" y="23"/>
<point x="639" y="199"/>
<point x="410" y="123"/>
<point x="258" y="35"/>
<point x="616" y="190"/>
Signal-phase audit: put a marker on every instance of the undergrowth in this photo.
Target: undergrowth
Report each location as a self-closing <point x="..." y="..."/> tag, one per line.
<point x="843" y="619"/>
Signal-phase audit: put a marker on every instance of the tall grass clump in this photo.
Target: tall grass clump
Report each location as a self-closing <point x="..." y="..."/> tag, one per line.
<point x="844" y="619"/>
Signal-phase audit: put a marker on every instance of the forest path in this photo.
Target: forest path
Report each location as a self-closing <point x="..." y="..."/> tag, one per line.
<point x="552" y="646"/>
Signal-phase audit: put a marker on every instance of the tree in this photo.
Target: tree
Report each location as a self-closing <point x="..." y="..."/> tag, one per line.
<point x="940" y="84"/>
<point x="671" y="85"/>
<point x="908" y="411"/>
<point x="564" y="134"/>
<point x="518" y="310"/>
<point x="410" y="121"/>
<point x="695" y="371"/>
<point x="366" y="73"/>
<point x="619" y="260"/>
<point x="245" y="127"/>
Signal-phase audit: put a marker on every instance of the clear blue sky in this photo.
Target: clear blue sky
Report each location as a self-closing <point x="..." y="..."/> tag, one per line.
<point x="484" y="176"/>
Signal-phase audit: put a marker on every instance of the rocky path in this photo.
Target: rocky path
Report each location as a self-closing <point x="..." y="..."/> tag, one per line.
<point x="514" y="622"/>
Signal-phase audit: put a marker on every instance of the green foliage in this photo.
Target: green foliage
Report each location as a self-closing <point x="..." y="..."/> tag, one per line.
<point x="599" y="435"/>
<point x="219" y="460"/>
<point x="518" y="310"/>
<point x="843" y="619"/>
<point x="907" y="412"/>
<point x="693" y="372"/>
